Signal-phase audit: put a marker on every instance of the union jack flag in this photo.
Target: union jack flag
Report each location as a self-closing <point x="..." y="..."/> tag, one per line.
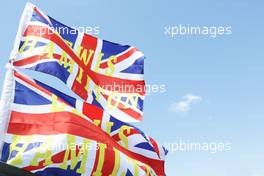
<point x="135" y="139"/>
<point x="41" y="123"/>
<point x="106" y="74"/>
<point x="48" y="132"/>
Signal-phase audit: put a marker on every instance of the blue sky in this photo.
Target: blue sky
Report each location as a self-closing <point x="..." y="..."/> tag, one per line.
<point x="225" y="73"/>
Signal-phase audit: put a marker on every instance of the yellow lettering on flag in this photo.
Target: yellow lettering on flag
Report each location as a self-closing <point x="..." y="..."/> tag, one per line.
<point x="49" y="48"/>
<point x="133" y="99"/>
<point x="87" y="83"/>
<point x="109" y="126"/>
<point x="29" y="42"/>
<point x="115" y="96"/>
<point x="98" y="62"/>
<point x="56" y="106"/>
<point x="135" y="164"/>
<point x="66" y="62"/>
<point x="70" y="152"/>
<point x="100" y="164"/>
<point x="111" y="67"/>
<point x="122" y="135"/>
<point x="24" y="140"/>
<point x="46" y="155"/>
<point x="117" y="163"/>
<point x="83" y="54"/>
<point x="79" y="76"/>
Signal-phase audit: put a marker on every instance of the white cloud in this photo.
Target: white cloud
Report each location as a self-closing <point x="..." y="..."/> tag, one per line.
<point x="185" y="104"/>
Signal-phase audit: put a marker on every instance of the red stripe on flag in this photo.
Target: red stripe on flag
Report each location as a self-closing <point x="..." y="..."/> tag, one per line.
<point x="155" y="145"/>
<point x="30" y="60"/>
<point x="120" y="58"/>
<point x="90" y="43"/>
<point x="31" y="83"/>
<point x="34" y="59"/>
<point x="92" y="111"/>
<point x="53" y="123"/>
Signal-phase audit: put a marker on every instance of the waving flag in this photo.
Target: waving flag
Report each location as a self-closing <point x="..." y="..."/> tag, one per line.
<point x="48" y="137"/>
<point x="106" y="74"/>
<point x="124" y="133"/>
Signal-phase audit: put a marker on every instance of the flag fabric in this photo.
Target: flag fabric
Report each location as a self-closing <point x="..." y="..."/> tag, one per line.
<point x="135" y="140"/>
<point x="48" y="132"/>
<point x="125" y="134"/>
<point x="47" y="136"/>
<point x="100" y="72"/>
